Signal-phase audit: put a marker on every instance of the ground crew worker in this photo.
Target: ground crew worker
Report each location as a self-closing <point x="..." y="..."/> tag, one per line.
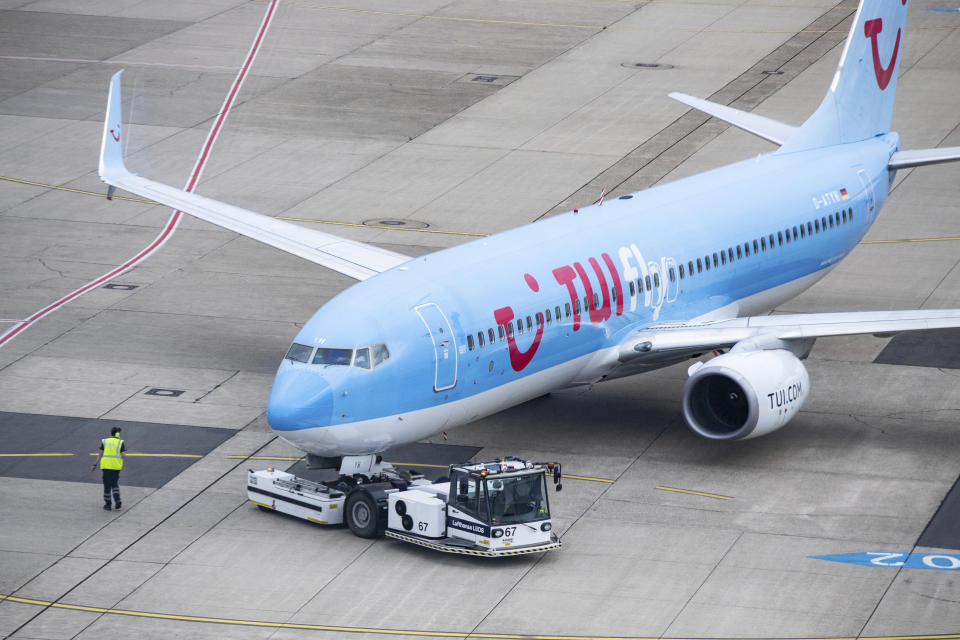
<point x="110" y="459"/>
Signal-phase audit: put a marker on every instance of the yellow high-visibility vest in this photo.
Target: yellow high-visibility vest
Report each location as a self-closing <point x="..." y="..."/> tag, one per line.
<point x="111" y="454"/>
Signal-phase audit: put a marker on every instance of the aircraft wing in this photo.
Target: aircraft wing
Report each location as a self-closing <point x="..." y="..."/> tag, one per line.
<point x="355" y="259"/>
<point x="773" y="130"/>
<point x="670" y="341"/>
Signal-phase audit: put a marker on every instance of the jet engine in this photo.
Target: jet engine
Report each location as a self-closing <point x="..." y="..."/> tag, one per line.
<point x="744" y="394"/>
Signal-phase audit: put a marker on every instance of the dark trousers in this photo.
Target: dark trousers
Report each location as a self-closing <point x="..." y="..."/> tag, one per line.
<point x="111" y="480"/>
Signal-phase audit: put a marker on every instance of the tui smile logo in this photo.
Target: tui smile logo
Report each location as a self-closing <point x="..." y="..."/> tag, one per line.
<point x="872" y="29"/>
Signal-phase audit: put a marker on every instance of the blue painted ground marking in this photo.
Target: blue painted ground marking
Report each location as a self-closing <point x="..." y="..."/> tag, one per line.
<point x="896" y="559"/>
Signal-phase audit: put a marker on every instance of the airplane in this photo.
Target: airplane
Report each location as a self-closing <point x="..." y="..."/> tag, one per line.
<point x="636" y="283"/>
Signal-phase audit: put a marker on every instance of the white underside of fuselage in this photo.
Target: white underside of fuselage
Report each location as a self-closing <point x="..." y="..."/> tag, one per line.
<point x="379" y="434"/>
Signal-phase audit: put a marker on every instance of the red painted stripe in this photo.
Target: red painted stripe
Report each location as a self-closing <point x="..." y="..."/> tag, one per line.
<point x="174" y="219"/>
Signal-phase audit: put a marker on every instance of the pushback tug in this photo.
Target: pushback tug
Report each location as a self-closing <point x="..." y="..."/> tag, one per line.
<point x="492" y="509"/>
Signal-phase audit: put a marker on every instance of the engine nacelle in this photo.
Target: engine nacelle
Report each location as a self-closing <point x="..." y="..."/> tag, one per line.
<point x="745" y="394"/>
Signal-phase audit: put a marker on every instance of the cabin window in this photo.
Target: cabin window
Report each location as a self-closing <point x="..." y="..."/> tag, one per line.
<point x="633" y="289"/>
<point x="730" y="254"/>
<point x="830" y="218"/>
<point x="779" y="237"/>
<point x="539" y="319"/>
<point x="576" y="306"/>
<point x="639" y="285"/>
<point x="837" y="216"/>
<point x="566" y="307"/>
<point x="329" y="356"/>
<point x="362" y="358"/>
<point x="716" y="262"/>
<point x="773" y="243"/>
<point x="739" y="252"/>
<point x="519" y="325"/>
<point x="596" y="301"/>
<point x="803" y="233"/>
<point x="480" y="338"/>
<point x="816" y="225"/>
<point x="763" y="244"/>
<point x="299" y="352"/>
<point x="706" y="262"/>
<point x="380" y="354"/>
<point x="648" y="282"/>
<point x="794" y="233"/>
<point x="586" y="303"/>
<point x="549" y="319"/>
<point x="699" y="266"/>
<point x="809" y="228"/>
<point x="556" y="312"/>
<point x="723" y="257"/>
<point x="470" y="341"/>
<point x="850" y="214"/>
<point x="656" y="279"/>
<point x="491" y="336"/>
<point x="756" y="249"/>
<point x="500" y="332"/>
<point x="681" y="271"/>
<point x="673" y="275"/>
<point x="823" y="223"/>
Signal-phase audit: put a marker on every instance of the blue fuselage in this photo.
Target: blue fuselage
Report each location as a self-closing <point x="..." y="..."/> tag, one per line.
<point x="729" y="242"/>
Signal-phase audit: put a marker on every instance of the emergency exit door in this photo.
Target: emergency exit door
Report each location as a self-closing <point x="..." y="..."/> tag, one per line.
<point x="444" y="345"/>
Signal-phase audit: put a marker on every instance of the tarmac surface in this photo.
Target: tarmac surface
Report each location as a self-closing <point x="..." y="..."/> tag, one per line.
<point x="470" y="118"/>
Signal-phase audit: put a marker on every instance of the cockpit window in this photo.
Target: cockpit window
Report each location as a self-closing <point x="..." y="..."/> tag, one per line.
<point x="299" y="352"/>
<point x="380" y="354"/>
<point x="326" y="355"/>
<point x="362" y="359"/>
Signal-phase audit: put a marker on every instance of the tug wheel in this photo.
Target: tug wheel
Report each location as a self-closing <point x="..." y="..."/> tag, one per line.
<point x="362" y="514"/>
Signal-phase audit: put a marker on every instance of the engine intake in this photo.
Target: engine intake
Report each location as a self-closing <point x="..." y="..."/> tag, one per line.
<point x="743" y="395"/>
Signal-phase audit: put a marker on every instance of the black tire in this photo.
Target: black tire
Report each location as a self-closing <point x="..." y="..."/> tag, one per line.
<point x="263" y="508"/>
<point x="362" y="514"/>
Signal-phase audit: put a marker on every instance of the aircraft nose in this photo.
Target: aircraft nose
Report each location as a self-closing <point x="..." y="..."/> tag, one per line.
<point x="299" y="400"/>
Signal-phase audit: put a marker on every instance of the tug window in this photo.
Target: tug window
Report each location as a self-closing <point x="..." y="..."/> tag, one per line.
<point x="468" y="495"/>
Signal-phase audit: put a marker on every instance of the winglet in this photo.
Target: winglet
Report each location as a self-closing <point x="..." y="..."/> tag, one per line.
<point x="766" y="128"/>
<point x="111" y="150"/>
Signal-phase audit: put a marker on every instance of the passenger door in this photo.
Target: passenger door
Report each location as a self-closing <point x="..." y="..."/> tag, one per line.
<point x="444" y="345"/>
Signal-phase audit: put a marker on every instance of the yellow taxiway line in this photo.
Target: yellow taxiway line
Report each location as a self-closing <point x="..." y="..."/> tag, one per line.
<point x="716" y="496"/>
<point x="388" y="632"/>
<point x="34" y="455"/>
